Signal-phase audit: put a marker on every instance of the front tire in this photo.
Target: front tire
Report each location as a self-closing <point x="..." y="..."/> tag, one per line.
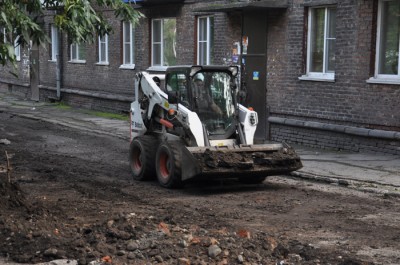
<point x="168" y="165"/>
<point x="141" y="157"/>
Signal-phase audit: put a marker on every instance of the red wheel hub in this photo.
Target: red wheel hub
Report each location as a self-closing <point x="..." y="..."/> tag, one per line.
<point x="164" y="165"/>
<point x="137" y="163"/>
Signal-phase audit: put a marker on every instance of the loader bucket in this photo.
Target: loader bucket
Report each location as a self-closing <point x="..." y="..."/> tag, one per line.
<point x="244" y="161"/>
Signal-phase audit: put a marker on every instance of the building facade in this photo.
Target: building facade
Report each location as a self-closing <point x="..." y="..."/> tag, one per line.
<point x="322" y="73"/>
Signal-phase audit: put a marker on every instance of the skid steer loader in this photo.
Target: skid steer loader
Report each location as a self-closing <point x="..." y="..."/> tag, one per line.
<point x="188" y="123"/>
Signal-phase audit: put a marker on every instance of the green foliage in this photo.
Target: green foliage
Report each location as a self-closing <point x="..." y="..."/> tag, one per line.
<point x="108" y="115"/>
<point x="82" y="20"/>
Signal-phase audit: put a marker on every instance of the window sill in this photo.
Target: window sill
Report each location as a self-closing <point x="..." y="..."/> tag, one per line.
<point x="318" y="78"/>
<point x="102" y="64"/>
<point x="387" y="81"/>
<point x="77" y="61"/>
<point x="158" y="68"/>
<point x="52" y="61"/>
<point x="127" y="67"/>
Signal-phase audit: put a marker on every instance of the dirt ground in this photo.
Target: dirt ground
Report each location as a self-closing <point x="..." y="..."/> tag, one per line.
<point x="72" y="196"/>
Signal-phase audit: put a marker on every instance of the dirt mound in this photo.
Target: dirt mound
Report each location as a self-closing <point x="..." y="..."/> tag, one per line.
<point x="11" y="195"/>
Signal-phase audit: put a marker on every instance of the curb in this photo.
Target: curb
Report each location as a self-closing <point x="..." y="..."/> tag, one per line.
<point x="366" y="186"/>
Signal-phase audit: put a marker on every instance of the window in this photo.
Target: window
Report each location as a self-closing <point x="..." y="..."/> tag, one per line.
<point x="321" y="44"/>
<point x="163" y="42"/>
<point x="17" y="49"/>
<point x="128" y="44"/>
<point x="54" y="43"/>
<point x="205" y="40"/>
<point x="177" y="82"/>
<point x="387" y="44"/>
<point x="103" y="49"/>
<point x="78" y="53"/>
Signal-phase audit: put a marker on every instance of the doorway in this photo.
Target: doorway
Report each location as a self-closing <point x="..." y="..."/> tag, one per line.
<point x="254" y="64"/>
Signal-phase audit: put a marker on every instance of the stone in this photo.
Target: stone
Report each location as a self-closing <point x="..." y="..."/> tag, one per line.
<point x="5" y="141"/>
<point x="183" y="243"/>
<point x="121" y="253"/>
<point x="214" y="251"/>
<point x="183" y="261"/>
<point x="132" y="246"/>
<point x="51" y="252"/>
<point x="159" y="259"/>
<point x="240" y="259"/>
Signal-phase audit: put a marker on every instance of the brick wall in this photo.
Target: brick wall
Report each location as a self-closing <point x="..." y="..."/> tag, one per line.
<point x="332" y="140"/>
<point x="350" y="99"/>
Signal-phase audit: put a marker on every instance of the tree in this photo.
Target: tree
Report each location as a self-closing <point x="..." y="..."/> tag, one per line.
<point x="21" y="21"/>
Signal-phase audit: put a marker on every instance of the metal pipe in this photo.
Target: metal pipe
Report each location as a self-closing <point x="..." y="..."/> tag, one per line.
<point x="58" y="76"/>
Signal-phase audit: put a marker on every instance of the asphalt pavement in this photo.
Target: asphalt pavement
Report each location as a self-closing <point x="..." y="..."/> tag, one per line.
<point x="373" y="172"/>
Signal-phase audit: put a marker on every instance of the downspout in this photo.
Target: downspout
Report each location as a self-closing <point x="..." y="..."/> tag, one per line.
<point x="58" y="68"/>
<point x="59" y="61"/>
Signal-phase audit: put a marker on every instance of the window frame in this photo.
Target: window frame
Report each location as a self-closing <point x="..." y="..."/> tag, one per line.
<point x="54" y="43"/>
<point x="324" y="75"/>
<point x="103" y="61"/>
<point x="161" y="66"/>
<point x="383" y="78"/>
<point x="17" y="50"/>
<point x="207" y="41"/>
<point x="77" y="48"/>
<point x="131" y="63"/>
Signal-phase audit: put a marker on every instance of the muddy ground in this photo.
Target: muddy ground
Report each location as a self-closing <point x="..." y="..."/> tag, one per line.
<point x="72" y="196"/>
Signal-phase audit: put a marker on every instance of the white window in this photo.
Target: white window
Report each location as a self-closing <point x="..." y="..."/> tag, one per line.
<point x="78" y="53"/>
<point x="387" y="43"/>
<point x="205" y="40"/>
<point x="54" y="43"/>
<point x="17" y="49"/>
<point x="103" y="49"/>
<point x="128" y="45"/>
<point x="321" y="44"/>
<point x="163" y="42"/>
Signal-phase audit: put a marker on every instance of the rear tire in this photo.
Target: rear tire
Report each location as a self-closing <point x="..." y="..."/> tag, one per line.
<point x="141" y="157"/>
<point x="168" y="165"/>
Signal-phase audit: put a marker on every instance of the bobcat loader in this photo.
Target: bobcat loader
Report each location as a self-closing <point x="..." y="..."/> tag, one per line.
<point x="187" y="123"/>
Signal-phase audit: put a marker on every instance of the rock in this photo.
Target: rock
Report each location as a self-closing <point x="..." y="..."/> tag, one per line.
<point x="63" y="262"/>
<point x="139" y="254"/>
<point x="153" y="252"/>
<point x="5" y="141"/>
<point x="296" y="258"/>
<point x="131" y="256"/>
<point x="240" y="259"/>
<point x="214" y="251"/>
<point x="121" y="253"/>
<point x="51" y="252"/>
<point x="183" y="243"/>
<point x="110" y="223"/>
<point x="270" y="244"/>
<point x="183" y="261"/>
<point x="159" y="259"/>
<point x="132" y="246"/>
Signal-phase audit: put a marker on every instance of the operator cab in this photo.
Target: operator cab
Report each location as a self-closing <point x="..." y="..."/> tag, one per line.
<point x="208" y="91"/>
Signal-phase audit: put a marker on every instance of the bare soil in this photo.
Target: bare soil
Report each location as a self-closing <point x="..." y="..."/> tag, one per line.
<point x="72" y="196"/>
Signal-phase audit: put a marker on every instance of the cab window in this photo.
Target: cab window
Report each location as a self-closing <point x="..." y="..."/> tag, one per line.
<point x="177" y="82"/>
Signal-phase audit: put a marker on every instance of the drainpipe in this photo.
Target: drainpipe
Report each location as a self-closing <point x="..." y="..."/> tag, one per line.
<point x="58" y="76"/>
